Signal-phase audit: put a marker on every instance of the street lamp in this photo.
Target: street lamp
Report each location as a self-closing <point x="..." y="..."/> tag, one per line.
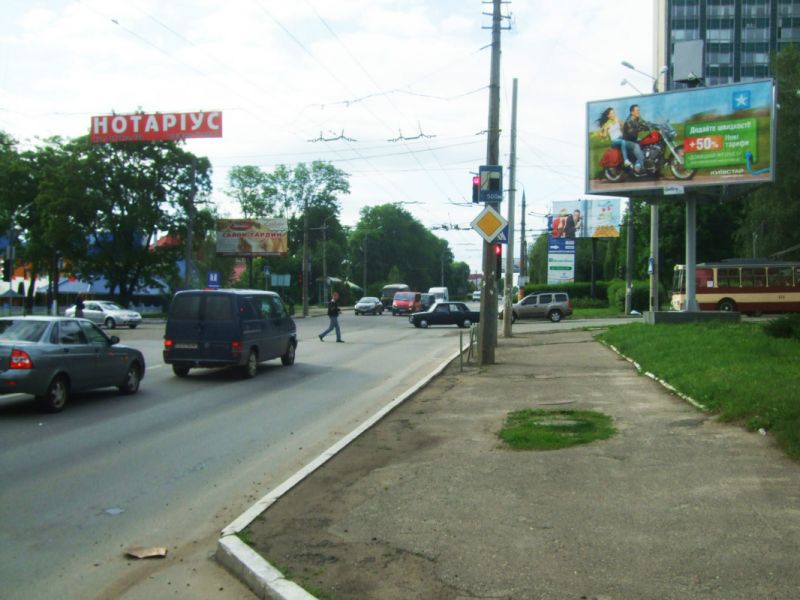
<point x="661" y="71"/>
<point x="324" y="230"/>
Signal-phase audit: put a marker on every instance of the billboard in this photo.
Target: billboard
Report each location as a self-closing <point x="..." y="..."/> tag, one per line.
<point x="585" y="219"/>
<point x="252" y="237"/>
<point x="142" y="127"/>
<point x="718" y="135"/>
<point x="560" y="261"/>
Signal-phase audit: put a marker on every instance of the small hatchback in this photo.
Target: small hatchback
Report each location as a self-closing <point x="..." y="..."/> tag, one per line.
<point x="542" y="305"/>
<point x="219" y="328"/>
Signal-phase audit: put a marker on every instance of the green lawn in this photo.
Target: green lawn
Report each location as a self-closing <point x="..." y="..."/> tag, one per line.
<point x="736" y="370"/>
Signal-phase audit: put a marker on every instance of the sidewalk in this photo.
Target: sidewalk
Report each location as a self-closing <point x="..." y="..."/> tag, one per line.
<point x="428" y="504"/>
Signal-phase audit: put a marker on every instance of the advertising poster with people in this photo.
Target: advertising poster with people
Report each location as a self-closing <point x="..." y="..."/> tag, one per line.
<point x="252" y="237"/>
<point x="586" y="218"/>
<point x="720" y="135"/>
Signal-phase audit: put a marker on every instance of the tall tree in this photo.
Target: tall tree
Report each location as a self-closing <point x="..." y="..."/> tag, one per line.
<point x="772" y="213"/>
<point x="252" y="189"/>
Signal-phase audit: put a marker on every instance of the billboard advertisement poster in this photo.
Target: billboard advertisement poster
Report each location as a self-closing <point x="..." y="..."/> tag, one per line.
<point x="252" y="237"/>
<point x="560" y="267"/>
<point x="155" y="127"/>
<point x="586" y="219"/>
<point x="703" y="136"/>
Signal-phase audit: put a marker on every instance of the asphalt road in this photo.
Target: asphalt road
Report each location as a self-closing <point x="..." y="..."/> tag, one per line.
<point x="175" y="463"/>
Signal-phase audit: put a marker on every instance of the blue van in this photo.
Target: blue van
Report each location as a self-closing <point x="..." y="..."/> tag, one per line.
<point x="227" y="327"/>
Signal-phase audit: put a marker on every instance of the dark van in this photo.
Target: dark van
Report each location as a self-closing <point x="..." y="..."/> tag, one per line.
<point x="218" y="328"/>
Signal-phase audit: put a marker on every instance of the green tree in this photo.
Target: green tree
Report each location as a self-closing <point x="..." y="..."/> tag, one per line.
<point x="253" y="190"/>
<point x="772" y="213"/>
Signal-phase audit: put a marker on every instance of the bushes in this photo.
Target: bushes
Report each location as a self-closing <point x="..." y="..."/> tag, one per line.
<point x="640" y="297"/>
<point x="575" y="290"/>
<point x="607" y="293"/>
<point x="787" y="326"/>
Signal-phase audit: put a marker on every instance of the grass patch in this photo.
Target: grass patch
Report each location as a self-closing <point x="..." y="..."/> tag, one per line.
<point x="595" y="312"/>
<point x="554" y="429"/>
<point x="736" y="370"/>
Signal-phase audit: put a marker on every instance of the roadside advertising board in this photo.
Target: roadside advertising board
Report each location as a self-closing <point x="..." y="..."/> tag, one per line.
<point x="704" y="136"/>
<point x="585" y="219"/>
<point x="152" y="127"/>
<point x="560" y="260"/>
<point x="252" y="237"/>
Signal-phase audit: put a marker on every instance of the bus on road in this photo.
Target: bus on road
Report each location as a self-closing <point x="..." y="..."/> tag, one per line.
<point x="752" y="286"/>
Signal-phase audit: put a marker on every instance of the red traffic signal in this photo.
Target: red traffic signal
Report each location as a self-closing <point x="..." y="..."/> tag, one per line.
<point x="498" y="249"/>
<point x="476" y="188"/>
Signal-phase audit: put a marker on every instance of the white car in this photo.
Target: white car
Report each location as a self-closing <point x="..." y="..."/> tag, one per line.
<point x="107" y="313"/>
<point x="476" y="296"/>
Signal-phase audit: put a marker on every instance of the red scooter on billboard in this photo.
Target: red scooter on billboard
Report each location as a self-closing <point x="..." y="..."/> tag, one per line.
<point x="659" y="151"/>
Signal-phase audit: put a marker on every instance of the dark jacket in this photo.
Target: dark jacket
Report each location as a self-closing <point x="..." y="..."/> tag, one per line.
<point x="333" y="309"/>
<point x="632" y="127"/>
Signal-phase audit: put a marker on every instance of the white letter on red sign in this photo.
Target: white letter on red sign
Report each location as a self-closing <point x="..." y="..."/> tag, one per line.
<point x="135" y="121"/>
<point x="100" y="124"/>
<point x="119" y="125"/>
<point x="197" y="120"/>
<point x="213" y="122"/>
<point x="151" y="124"/>
<point x="168" y="121"/>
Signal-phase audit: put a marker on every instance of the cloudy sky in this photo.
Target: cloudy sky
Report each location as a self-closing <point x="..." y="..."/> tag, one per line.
<point x="402" y="85"/>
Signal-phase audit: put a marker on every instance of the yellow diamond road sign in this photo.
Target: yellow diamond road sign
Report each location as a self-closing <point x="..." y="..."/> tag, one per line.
<point x="489" y="223"/>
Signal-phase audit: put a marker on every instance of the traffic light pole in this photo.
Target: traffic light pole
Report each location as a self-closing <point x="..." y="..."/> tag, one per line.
<point x="487" y="326"/>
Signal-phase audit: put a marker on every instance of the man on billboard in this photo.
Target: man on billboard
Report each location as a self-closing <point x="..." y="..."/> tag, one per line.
<point x="633" y="126"/>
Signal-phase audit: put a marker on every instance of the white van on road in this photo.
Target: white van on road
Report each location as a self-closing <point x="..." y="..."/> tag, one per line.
<point x="441" y="293"/>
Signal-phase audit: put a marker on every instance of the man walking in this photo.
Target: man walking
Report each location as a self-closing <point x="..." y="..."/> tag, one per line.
<point x="333" y="314"/>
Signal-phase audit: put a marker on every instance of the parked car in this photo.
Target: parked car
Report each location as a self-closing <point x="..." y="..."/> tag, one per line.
<point x="103" y="312"/>
<point x="368" y="305"/>
<point x="405" y="303"/>
<point x="53" y="357"/>
<point x="445" y="313"/>
<point x="476" y="296"/>
<point x="540" y="305"/>
<point x="226" y="327"/>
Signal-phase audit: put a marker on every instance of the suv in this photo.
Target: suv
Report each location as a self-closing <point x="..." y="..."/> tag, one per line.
<point x="551" y="305"/>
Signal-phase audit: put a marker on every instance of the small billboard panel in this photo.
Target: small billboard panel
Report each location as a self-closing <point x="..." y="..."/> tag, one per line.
<point x="252" y="237"/>
<point x="720" y="135"/>
<point x="142" y="127"/>
<point x="560" y="261"/>
<point x="585" y="218"/>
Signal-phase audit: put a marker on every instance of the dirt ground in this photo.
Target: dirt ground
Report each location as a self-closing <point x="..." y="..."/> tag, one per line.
<point x="299" y="535"/>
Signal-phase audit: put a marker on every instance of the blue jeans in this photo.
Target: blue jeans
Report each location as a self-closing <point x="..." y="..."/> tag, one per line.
<point x="333" y="325"/>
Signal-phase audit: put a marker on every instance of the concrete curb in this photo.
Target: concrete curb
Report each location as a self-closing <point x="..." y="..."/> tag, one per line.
<point x="249" y="566"/>
<point x="669" y="387"/>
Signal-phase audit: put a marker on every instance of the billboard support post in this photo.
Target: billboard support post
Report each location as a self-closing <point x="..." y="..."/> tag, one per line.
<point x="629" y="260"/>
<point x="654" y="254"/>
<point x="691" y="254"/>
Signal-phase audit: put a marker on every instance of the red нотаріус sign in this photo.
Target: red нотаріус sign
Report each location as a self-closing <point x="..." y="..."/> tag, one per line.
<point x="143" y="127"/>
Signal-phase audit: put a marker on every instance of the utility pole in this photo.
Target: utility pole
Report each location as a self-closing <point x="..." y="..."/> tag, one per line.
<point x="512" y="188"/>
<point x="487" y="326"/>
<point x="629" y="261"/>
<point x="523" y="253"/>
<point x="190" y="227"/>
<point x="304" y="260"/>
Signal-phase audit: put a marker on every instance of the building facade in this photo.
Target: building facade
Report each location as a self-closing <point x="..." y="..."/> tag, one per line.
<point x="738" y="35"/>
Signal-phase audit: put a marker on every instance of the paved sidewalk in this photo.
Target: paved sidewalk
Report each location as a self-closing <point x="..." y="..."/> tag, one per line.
<point x="428" y="504"/>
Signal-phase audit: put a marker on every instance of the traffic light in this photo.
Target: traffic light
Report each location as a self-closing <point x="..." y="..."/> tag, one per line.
<point x="476" y="189"/>
<point x="498" y="254"/>
<point x="7" y="269"/>
<point x="300" y="278"/>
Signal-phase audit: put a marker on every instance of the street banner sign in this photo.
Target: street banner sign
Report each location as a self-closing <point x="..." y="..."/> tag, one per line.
<point x="489" y="223"/>
<point x="142" y="127"/>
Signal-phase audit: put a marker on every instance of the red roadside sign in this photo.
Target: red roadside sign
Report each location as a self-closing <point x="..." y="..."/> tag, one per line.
<point x="143" y="127"/>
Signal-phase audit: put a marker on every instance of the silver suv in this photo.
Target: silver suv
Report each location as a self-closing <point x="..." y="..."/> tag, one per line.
<point x="539" y="305"/>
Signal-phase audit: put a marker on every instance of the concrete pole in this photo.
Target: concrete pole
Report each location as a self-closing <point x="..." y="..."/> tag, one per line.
<point x="487" y="326"/>
<point x="304" y="259"/>
<point x="512" y="185"/>
<point x="629" y="261"/>
<point x="691" y="255"/>
<point x="655" y="303"/>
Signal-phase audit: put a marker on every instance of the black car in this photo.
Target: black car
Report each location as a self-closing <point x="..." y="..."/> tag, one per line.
<point x="445" y="313"/>
<point x="51" y="357"/>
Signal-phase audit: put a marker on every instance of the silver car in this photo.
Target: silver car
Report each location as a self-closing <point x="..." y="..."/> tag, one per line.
<point x="51" y="357"/>
<point x="542" y="305"/>
<point x="107" y="313"/>
<point x="368" y="305"/>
